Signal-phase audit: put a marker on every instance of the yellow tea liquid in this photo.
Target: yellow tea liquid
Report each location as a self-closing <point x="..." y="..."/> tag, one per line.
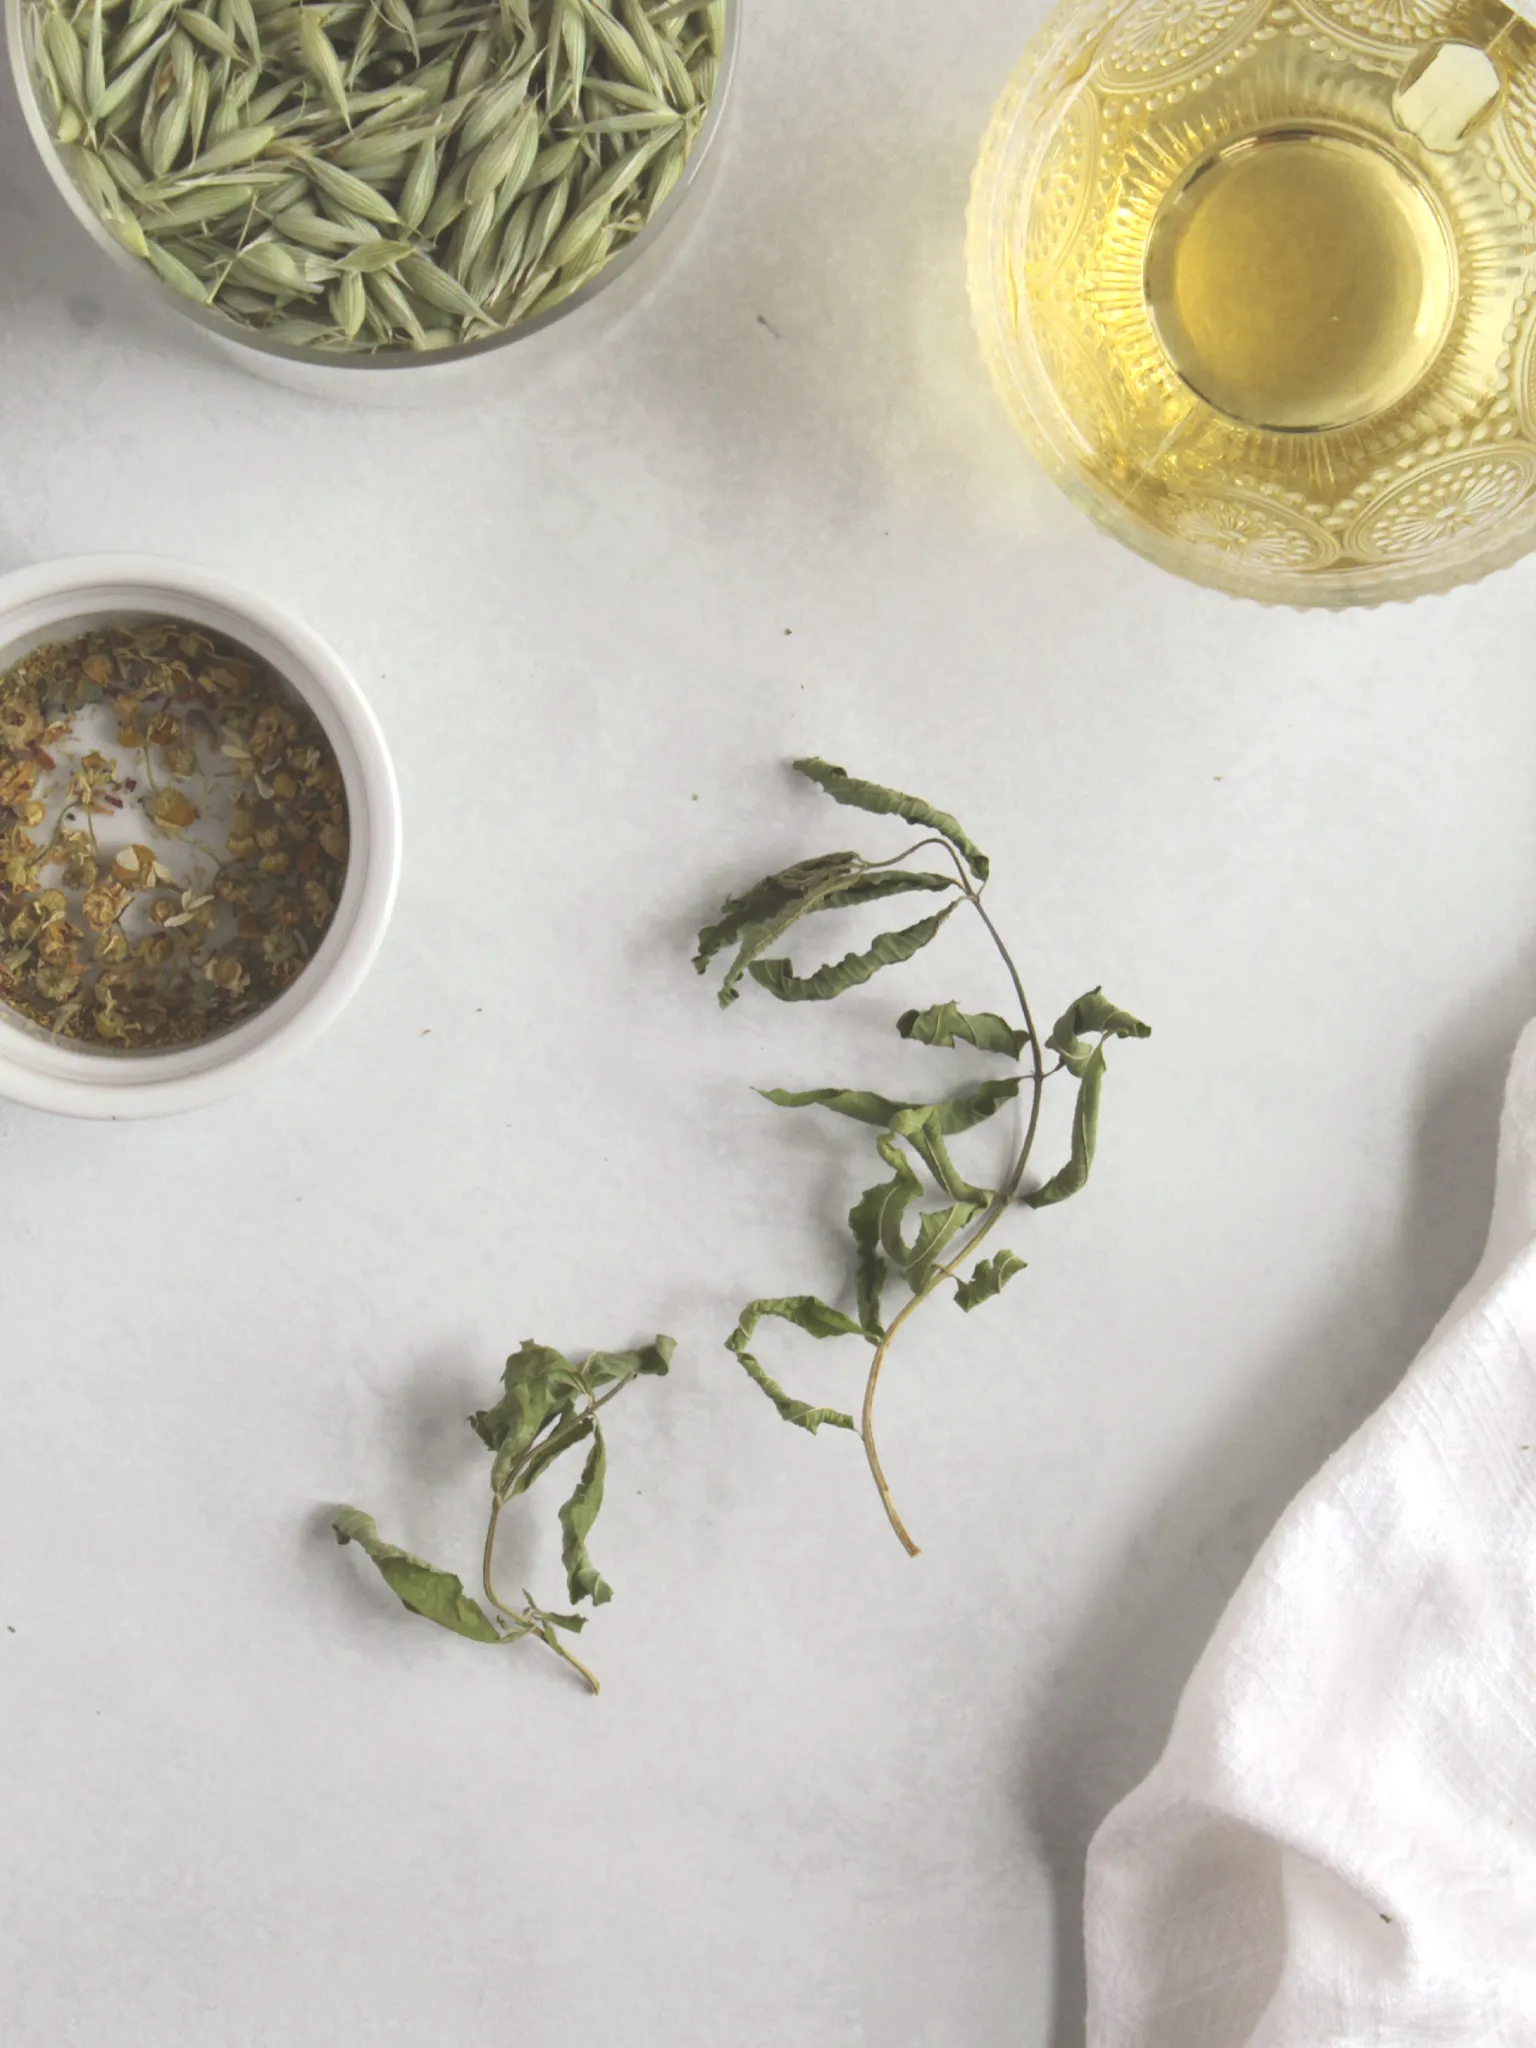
<point x="1300" y="280"/>
<point x="1256" y="278"/>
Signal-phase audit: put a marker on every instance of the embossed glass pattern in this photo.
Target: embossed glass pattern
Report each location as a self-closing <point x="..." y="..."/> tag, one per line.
<point x="1256" y="280"/>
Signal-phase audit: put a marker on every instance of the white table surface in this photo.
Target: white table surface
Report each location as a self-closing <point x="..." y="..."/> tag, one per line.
<point x="829" y="1796"/>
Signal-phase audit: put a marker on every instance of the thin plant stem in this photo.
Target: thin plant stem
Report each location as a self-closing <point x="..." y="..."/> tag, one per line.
<point x="548" y="1635"/>
<point x="527" y="1619"/>
<point x="977" y="1237"/>
<point x="498" y="1502"/>
<point x="527" y="1622"/>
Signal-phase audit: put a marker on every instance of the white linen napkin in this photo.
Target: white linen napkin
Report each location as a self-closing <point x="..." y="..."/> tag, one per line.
<point x="1338" y="1846"/>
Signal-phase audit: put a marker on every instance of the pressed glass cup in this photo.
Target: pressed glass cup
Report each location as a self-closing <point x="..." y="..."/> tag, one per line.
<point x="1256" y="278"/>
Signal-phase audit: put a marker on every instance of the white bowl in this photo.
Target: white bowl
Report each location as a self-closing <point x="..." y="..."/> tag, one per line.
<point x="62" y="598"/>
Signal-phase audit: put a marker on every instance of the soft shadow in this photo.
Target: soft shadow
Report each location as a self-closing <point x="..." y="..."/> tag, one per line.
<point x="1117" y="1687"/>
<point x="824" y="342"/>
<point x="438" y="1474"/>
<point x="434" y="1445"/>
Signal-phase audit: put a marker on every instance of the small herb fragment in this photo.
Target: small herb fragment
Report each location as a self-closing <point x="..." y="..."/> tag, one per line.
<point x="952" y="1218"/>
<point x="548" y="1406"/>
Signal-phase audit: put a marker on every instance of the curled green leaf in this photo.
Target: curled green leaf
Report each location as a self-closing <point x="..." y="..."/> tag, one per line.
<point x="757" y="937"/>
<point x="807" y="1313"/>
<point x="877" y="1212"/>
<point x="861" y="1104"/>
<point x="574" y="1622"/>
<point x="434" y="1595"/>
<point x="946" y="1024"/>
<point x="606" y="1368"/>
<point x="925" y="1125"/>
<point x="769" y="898"/>
<point x="583" y="1580"/>
<point x="1073" y="1177"/>
<point x="875" y="884"/>
<point x="829" y="881"/>
<point x="537" y="1381"/>
<point x="960" y="1113"/>
<point x="1090" y="1013"/>
<point x="937" y="1230"/>
<point x="989" y="1279"/>
<point x="844" y="788"/>
<point x="838" y="976"/>
<point x="566" y="1428"/>
<point x="531" y="1364"/>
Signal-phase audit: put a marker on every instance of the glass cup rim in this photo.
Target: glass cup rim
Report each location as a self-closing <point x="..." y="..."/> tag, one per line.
<point x="1053" y="65"/>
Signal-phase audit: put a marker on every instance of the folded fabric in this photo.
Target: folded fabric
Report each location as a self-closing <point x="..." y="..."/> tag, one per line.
<point x="1338" y="1845"/>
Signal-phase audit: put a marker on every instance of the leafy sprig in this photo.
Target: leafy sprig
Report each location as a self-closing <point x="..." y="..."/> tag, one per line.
<point x="914" y="1231"/>
<point x="548" y="1407"/>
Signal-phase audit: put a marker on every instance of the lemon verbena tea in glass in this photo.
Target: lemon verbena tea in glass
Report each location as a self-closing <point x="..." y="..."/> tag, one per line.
<point x="1256" y="278"/>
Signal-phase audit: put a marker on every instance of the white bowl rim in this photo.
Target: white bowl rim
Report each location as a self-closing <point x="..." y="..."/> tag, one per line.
<point x="439" y="360"/>
<point x="59" y="1076"/>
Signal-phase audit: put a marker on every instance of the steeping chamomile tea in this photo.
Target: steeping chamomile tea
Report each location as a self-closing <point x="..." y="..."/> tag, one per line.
<point x="173" y="835"/>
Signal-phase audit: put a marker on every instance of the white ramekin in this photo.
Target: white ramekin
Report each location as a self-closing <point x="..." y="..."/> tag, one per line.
<point x="58" y="599"/>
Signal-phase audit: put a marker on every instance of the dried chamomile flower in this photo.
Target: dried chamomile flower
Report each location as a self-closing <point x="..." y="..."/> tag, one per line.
<point x="173" y="835"/>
